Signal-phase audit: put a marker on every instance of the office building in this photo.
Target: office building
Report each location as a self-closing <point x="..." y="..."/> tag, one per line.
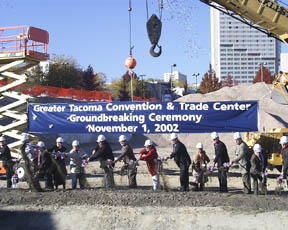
<point x="238" y="49"/>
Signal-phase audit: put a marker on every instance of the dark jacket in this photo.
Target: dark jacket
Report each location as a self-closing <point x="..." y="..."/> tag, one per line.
<point x="127" y="154"/>
<point x="221" y="154"/>
<point x="102" y="153"/>
<point x="256" y="165"/>
<point x="5" y="155"/>
<point x="46" y="161"/>
<point x="180" y="155"/>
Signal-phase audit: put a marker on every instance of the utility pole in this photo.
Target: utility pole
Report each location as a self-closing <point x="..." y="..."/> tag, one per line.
<point x="196" y="75"/>
<point x="142" y="85"/>
<point x="173" y="65"/>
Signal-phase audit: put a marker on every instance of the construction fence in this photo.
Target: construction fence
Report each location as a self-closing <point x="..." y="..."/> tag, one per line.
<point x="75" y="94"/>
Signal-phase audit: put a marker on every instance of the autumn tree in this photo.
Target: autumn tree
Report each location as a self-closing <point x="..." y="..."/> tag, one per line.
<point x="228" y="81"/>
<point x="209" y="82"/>
<point x="263" y="74"/>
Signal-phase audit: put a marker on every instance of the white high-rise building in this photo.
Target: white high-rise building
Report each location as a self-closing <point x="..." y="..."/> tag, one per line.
<point x="284" y="62"/>
<point x="176" y="76"/>
<point x="238" y="49"/>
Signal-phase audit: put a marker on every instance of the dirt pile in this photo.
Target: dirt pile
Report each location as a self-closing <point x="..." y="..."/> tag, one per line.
<point x="271" y="114"/>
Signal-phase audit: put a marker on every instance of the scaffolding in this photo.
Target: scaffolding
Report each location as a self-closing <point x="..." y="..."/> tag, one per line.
<point x="21" y="48"/>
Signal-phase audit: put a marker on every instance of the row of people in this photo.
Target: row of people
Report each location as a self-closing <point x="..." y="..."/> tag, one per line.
<point x="50" y="163"/>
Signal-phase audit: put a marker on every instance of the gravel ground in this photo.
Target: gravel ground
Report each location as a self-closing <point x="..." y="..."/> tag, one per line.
<point x="142" y="208"/>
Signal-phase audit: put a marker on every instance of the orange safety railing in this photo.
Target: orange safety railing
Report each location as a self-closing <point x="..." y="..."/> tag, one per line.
<point x="29" y="41"/>
<point x="56" y="92"/>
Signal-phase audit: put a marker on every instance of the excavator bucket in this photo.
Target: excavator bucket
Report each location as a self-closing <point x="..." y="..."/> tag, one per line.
<point x="280" y="89"/>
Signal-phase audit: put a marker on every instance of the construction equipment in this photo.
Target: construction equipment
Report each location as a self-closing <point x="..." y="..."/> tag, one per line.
<point x="280" y="88"/>
<point x="21" y="48"/>
<point x="267" y="16"/>
<point x="270" y="143"/>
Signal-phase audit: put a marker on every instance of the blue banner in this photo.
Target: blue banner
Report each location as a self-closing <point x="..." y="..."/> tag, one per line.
<point x="144" y="117"/>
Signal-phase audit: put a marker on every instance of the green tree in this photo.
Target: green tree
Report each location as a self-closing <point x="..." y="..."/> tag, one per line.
<point x="121" y="89"/>
<point x="88" y="81"/>
<point x="209" y="82"/>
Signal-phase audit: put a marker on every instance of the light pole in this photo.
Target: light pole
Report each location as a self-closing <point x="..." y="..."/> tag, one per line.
<point x="196" y="75"/>
<point x="261" y="69"/>
<point x="173" y="65"/>
<point x="142" y="84"/>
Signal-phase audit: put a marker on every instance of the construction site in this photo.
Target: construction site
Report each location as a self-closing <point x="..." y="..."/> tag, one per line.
<point x="121" y="207"/>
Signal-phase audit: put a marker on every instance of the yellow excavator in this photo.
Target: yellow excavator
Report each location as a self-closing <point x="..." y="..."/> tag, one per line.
<point x="267" y="16"/>
<point x="270" y="142"/>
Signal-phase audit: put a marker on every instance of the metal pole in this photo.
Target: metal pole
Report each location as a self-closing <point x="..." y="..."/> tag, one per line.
<point x="261" y="72"/>
<point x="132" y="85"/>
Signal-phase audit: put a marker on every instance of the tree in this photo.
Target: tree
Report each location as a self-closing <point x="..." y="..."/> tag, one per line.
<point x="209" y="82"/>
<point x="88" y="81"/>
<point x="265" y="73"/>
<point x="228" y="81"/>
<point x="121" y="90"/>
<point x="64" y="75"/>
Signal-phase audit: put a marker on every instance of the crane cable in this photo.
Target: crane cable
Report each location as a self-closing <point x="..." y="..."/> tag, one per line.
<point x="160" y="8"/>
<point x="130" y="28"/>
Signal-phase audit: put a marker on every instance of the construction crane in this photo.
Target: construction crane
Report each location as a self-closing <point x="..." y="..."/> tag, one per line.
<point x="267" y="16"/>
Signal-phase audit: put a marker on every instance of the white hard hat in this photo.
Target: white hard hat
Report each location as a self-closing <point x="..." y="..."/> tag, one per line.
<point x="24" y="138"/>
<point x="41" y="144"/>
<point x="101" y="138"/>
<point x="75" y="143"/>
<point x="59" y="139"/>
<point x="173" y="136"/>
<point x="199" y="145"/>
<point x="2" y="138"/>
<point x="283" y="140"/>
<point x="148" y="143"/>
<point x="214" y="135"/>
<point x="257" y="148"/>
<point x="122" y="138"/>
<point x="237" y="135"/>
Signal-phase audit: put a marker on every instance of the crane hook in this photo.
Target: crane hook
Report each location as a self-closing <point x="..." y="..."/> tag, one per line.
<point x="153" y="53"/>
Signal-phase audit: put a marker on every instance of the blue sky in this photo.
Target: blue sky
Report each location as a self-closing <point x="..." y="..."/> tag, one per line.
<point x="96" y="33"/>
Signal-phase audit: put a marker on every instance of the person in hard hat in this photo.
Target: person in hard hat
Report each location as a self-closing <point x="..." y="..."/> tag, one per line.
<point x="284" y="152"/>
<point x="256" y="168"/>
<point x="150" y="155"/>
<point x="76" y="165"/>
<point x="199" y="167"/>
<point x="221" y="158"/>
<point x="182" y="159"/>
<point x="5" y="156"/>
<point x="45" y="165"/>
<point x="129" y="160"/>
<point x="243" y="156"/>
<point x="59" y="153"/>
<point x="103" y="152"/>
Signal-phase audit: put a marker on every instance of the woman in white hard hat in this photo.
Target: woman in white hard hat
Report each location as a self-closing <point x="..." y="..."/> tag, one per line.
<point x="58" y="152"/>
<point x="129" y="160"/>
<point x="284" y="153"/>
<point x="45" y="165"/>
<point x="76" y="164"/>
<point x="199" y="166"/>
<point x="103" y="152"/>
<point x="150" y="155"/>
<point x="256" y="168"/>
